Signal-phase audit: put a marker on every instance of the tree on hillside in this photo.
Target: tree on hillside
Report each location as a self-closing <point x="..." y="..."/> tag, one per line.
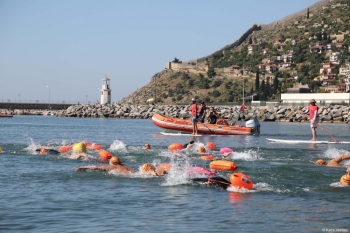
<point x="263" y="95"/>
<point x="176" y="60"/>
<point x="257" y="82"/>
<point x="275" y="84"/>
<point x="217" y="83"/>
<point x="228" y="85"/>
<point x="211" y="72"/>
<point x="185" y="76"/>
<point x="308" y="13"/>
<point x="324" y="36"/>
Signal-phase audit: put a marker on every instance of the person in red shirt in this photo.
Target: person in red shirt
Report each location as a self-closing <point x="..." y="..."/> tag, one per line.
<point x="194" y="119"/>
<point x="313" y="111"/>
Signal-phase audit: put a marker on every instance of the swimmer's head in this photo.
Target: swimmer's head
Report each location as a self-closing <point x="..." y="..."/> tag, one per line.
<point x="147" y="146"/>
<point x="43" y="151"/>
<point x="201" y="149"/>
<point x="148" y="168"/>
<point x="345" y="179"/>
<point x="114" y="160"/>
<point x="321" y="162"/>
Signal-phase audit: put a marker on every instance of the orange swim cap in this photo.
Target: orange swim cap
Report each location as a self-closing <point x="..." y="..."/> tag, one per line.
<point x="321" y="162"/>
<point x="114" y="160"/>
<point x="201" y="149"/>
<point x="345" y="179"/>
<point x="147" y="168"/>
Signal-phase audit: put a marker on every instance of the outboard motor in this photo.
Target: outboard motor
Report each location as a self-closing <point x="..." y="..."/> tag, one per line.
<point x="254" y="123"/>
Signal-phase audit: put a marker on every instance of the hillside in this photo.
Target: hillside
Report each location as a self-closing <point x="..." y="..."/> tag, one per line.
<point x="307" y="49"/>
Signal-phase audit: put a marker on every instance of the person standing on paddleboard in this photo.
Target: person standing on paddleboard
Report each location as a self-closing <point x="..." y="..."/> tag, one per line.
<point x="313" y="111"/>
<point x="194" y="118"/>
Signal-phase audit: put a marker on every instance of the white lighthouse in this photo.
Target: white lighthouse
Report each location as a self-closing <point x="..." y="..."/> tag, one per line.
<point x="106" y="91"/>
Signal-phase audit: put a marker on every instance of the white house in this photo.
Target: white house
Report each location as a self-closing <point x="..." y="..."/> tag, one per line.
<point x="321" y="98"/>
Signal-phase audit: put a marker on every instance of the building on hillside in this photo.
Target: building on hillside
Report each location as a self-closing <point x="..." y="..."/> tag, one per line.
<point x="252" y="48"/>
<point x="317" y="48"/>
<point x="265" y="51"/>
<point x="192" y="64"/>
<point x="268" y="67"/>
<point x="334" y="57"/>
<point x="298" y="87"/>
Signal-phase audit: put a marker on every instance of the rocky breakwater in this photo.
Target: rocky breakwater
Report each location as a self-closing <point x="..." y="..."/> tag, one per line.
<point x="329" y="114"/>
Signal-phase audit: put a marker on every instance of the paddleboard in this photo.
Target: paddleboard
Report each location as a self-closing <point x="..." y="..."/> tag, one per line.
<point x="305" y="141"/>
<point x="181" y="134"/>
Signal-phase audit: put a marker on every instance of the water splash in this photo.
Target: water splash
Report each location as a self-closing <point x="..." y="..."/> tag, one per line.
<point x="118" y="146"/>
<point x="32" y="145"/>
<point x="265" y="187"/>
<point x="334" y="152"/>
<point x="338" y="184"/>
<point x="240" y="190"/>
<point x="249" y="155"/>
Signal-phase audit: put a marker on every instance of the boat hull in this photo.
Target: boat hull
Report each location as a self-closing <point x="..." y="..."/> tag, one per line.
<point x="6" y="115"/>
<point x="176" y="124"/>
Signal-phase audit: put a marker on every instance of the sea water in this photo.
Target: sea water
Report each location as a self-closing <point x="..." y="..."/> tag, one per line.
<point x="44" y="193"/>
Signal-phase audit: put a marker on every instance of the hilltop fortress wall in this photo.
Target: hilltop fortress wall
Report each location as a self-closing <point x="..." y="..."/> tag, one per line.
<point x="255" y="27"/>
<point x="315" y="6"/>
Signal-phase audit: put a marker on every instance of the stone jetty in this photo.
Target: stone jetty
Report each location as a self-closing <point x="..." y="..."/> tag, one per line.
<point x="328" y="114"/>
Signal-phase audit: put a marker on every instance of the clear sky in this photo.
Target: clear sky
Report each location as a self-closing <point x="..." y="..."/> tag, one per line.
<point x="70" y="45"/>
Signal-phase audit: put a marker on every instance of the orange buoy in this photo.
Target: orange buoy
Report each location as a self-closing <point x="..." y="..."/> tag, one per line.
<point x="223" y="165"/>
<point x="175" y="146"/>
<point x="94" y="146"/>
<point x="240" y="180"/>
<point x="64" y="149"/>
<point x="207" y="157"/>
<point x="105" y="154"/>
<point x="86" y="143"/>
<point x="211" y="146"/>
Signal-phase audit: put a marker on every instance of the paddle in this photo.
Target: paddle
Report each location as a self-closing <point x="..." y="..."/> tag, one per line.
<point x="335" y="140"/>
<point x="209" y="129"/>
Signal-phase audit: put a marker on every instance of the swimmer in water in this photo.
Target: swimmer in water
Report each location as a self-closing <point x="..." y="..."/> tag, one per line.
<point x="147" y="146"/>
<point x="345" y="179"/>
<point x="201" y="150"/>
<point x="79" y="156"/>
<point x="161" y="170"/>
<point x="334" y="162"/>
<point x="45" y="150"/>
<point x="115" y="165"/>
<point x="188" y="145"/>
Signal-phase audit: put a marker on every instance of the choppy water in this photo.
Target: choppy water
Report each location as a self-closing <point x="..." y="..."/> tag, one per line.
<point x="45" y="194"/>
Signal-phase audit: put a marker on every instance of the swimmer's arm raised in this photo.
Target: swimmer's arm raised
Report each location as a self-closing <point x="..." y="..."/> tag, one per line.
<point x="341" y="158"/>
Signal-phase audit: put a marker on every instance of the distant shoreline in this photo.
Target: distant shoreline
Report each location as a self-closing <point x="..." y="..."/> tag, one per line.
<point x="327" y="114"/>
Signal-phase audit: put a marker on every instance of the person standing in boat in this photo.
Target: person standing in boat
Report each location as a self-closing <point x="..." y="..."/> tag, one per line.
<point x="313" y="111"/>
<point x="194" y="119"/>
<point x="212" y="116"/>
<point x="202" y="112"/>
